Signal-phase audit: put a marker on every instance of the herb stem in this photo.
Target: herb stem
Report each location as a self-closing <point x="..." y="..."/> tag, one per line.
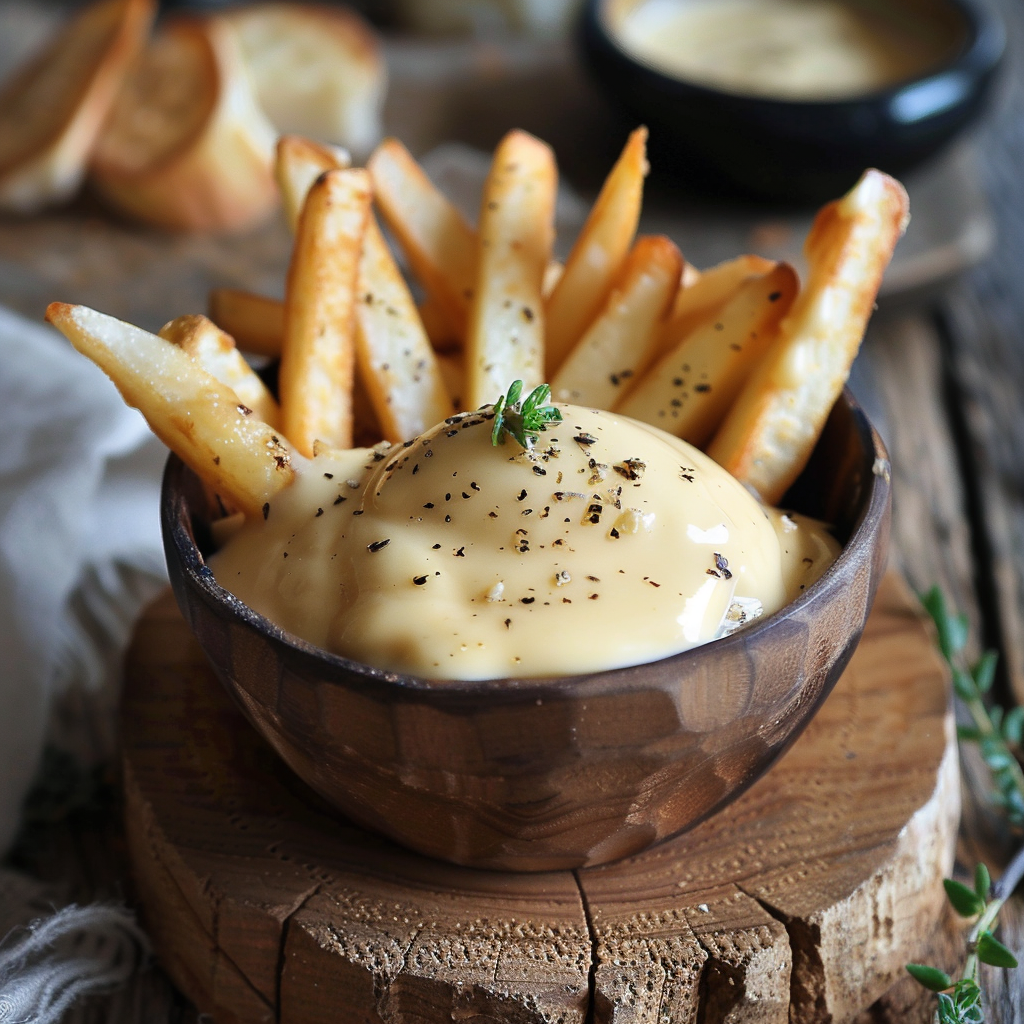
<point x="987" y="728"/>
<point x="983" y="924"/>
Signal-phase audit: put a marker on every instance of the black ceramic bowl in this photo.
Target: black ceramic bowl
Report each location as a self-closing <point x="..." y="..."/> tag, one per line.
<point x="544" y="774"/>
<point x="796" y="150"/>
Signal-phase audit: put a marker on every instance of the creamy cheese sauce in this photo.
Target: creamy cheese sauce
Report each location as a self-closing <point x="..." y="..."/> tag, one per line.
<point x="609" y="543"/>
<point x="787" y="49"/>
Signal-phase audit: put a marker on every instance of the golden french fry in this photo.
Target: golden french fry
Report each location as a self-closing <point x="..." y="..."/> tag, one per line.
<point x="396" y="363"/>
<point x="440" y="246"/>
<point x="318" y="354"/>
<point x="620" y="343"/>
<point x="552" y="275"/>
<point x="440" y="332"/>
<point x="254" y="321"/>
<point x="216" y="353"/>
<point x="769" y="433"/>
<point x="597" y="254"/>
<point x="298" y="163"/>
<point x="701" y="299"/>
<point x="366" y="431"/>
<point x="505" y="339"/>
<point x="689" y="390"/>
<point x="690" y="276"/>
<point x="453" y="373"/>
<point x="193" y="413"/>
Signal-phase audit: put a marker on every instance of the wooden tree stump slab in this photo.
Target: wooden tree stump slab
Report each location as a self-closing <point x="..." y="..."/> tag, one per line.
<point x="801" y="901"/>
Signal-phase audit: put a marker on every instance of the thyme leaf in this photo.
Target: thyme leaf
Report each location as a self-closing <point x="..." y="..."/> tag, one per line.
<point x="523" y="420"/>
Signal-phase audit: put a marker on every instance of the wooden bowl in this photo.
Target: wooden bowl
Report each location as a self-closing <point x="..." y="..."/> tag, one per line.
<point x="546" y="774"/>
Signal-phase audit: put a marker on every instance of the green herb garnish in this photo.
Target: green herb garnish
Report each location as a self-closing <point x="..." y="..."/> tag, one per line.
<point x="959" y="1002"/>
<point x="995" y="732"/>
<point x="523" y="420"/>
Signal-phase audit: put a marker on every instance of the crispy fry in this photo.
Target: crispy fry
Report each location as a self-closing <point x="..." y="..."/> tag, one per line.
<point x="440" y="332"/>
<point x="194" y="414"/>
<point x="318" y="355"/>
<point x="620" y="343"/>
<point x="254" y="321"/>
<point x="552" y="275"/>
<point x="505" y="340"/>
<point x="298" y="163"/>
<point x="770" y="431"/>
<point x="453" y="373"/>
<point x="689" y="390"/>
<point x="216" y="353"/>
<point x="440" y="246"/>
<point x="701" y="299"/>
<point x="598" y="253"/>
<point x="396" y="362"/>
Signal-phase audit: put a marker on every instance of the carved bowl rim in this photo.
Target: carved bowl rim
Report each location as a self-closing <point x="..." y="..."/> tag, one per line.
<point x="189" y="572"/>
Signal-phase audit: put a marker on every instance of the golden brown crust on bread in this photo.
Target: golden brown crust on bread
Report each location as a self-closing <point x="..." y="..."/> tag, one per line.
<point x="209" y="164"/>
<point x="53" y="109"/>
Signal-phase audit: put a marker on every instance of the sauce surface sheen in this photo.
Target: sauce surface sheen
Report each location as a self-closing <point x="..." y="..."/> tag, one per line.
<point x="607" y="544"/>
<point x="784" y="49"/>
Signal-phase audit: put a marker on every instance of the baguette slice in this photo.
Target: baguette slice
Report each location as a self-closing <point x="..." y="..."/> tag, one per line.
<point x="318" y="71"/>
<point x="187" y="146"/>
<point x="52" y="110"/>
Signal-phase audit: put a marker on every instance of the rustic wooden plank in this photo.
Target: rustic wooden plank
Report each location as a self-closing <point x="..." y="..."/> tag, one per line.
<point x="901" y="368"/>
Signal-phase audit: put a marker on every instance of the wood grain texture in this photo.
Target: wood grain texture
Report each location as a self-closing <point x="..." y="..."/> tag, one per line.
<point x="265" y="906"/>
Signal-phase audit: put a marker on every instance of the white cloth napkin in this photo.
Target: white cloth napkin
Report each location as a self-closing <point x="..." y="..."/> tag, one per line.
<point x="79" y="537"/>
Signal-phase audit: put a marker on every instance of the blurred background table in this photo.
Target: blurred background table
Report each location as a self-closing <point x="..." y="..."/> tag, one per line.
<point x="941" y="374"/>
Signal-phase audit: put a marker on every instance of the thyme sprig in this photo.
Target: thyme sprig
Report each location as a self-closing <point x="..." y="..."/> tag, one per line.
<point x="960" y="1002"/>
<point x="994" y="730"/>
<point x="523" y="420"/>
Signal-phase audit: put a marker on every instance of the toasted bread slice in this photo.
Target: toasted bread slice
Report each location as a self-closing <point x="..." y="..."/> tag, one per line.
<point x="53" y="109"/>
<point x="771" y="429"/>
<point x="318" y="71"/>
<point x="187" y="146"/>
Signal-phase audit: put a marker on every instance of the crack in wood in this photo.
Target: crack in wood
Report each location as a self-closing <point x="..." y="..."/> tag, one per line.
<point x="285" y="928"/>
<point x="592" y="936"/>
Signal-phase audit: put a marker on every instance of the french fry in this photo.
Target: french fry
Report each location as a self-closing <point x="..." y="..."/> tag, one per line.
<point x="689" y="390"/>
<point x="195" y="415"/>
<point x="440" y="246"/>
<point x="453" y="373"/>
<point x="703" y="297"/>
<point x="216" y="353"/>
<point x="396" y="363"/>
<point x="505" y="339"/>
<point x="318" y="354"/>
<point x="254" y="321"/>
<point x="440" y="332"/>
<point x="597" y="254"/>
<point x="552" y="275"/>
<point x="769" y="433"/>
<point x="298" y="163"/>
<point x="620" y="343"/>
